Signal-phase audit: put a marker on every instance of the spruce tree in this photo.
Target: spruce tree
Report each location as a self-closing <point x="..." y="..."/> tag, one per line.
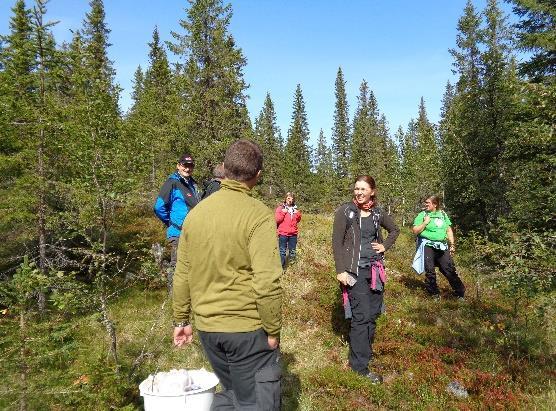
<point x="17" y="101"/>
<point x="341" y="138"/>
<point x="98" y="178"/>
<point x="47" y="112"/>
<point x="368" y="138"/>
<point x="325" y="174"/>
<point x="362" y="129"/>
<point x="397" y="179"/>
<point x="211" y="80"/>
<point x="30" y="83"/>
<point x="409" y="171"/>
<point x="420" y="166"/>
<point x="138" y="79"/>
<point x="462" y="147"/>
<point x="151" y="124"/>
<point x="267" y="135"/>
<point x="529" y="152"/>
<point x="389" y="174"/>
<point x="498" y="87"/>
<point x="537" y="35"/>
<point x="427" y="162"/>
<point x="444" y="123"/>
<point x="297" y="158"/>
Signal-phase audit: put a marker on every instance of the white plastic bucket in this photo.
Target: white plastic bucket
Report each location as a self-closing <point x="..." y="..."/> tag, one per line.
<point x="194" y="400"/>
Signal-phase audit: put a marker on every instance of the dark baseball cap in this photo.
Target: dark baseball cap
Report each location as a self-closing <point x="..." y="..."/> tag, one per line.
<point x="186" y="159"/>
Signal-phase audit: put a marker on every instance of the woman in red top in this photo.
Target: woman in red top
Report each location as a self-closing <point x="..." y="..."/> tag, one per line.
<point x="287" y="216"/>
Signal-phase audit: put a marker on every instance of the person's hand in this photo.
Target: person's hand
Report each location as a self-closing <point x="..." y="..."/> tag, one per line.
<point x="452" y="249"/>
<point x="273" y="342"/>
<point x="379" y="248"/>
<point x="343" y="278"/>
<point x="426" y="220"/>
<point x="183" y="335"/>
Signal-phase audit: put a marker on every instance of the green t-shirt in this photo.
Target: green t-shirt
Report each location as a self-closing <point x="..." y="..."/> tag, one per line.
<point x="436" y="228"/>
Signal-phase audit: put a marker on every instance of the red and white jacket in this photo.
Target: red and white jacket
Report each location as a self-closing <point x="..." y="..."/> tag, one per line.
<point x="286" y="221"/>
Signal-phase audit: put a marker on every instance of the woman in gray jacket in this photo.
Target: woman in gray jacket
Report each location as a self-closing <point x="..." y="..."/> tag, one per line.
<point x="359" y="249"/>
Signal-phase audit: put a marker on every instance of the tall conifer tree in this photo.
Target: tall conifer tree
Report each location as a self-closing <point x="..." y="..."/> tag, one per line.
<point x="461" y="147"/>
<point x="529" y="152"/>
<point x="325" y="174"/>
<point x="97" y="157"/>
<point x="498" y="86"/>
<point x="17" y="100"/>
<point x="30" y="84"/>
<point x="341" y="138"/>
<point x="536" y="34"/>
<point x="389" y="174"/>
<point x="151" y="123"/>
<point x="211" y="78"/>
<point x="410" y="178"/>
<point x="421" y="168"/>
<point x="297" y="157"/>
<point x="267" y="135"/>
<point x="138" y="80"/>
<point x="362" y="129"/>
<point x="427" y="164"/>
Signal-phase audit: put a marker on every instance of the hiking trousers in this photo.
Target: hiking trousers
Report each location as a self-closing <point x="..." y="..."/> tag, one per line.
<point x="443" y="260"/>
<point x="248" y="369"/>
<point x="366" y="305"/>
<point x="173" y="241"/>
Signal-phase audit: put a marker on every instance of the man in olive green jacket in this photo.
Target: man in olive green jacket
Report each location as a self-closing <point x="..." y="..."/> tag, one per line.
<point x="228" y="274"/>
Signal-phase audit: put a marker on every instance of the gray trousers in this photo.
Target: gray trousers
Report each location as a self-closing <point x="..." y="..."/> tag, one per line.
<point x="173" y="241"/>
<point x="248" y="369"/>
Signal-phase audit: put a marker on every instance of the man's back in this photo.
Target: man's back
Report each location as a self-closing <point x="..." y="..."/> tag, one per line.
<point x="229" y="260"/>
<point x="228" y="275"/>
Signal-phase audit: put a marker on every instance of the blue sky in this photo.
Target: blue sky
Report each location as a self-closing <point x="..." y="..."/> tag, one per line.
<point x="399" y="46"/>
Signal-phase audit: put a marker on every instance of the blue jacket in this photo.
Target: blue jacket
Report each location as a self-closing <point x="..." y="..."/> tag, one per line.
<point x="176" y="198"/>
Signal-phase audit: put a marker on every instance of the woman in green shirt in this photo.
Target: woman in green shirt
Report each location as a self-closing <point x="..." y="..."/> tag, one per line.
<point x="433" y="227"/>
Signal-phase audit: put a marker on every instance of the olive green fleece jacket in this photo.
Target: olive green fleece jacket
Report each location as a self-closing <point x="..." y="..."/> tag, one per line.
<point x="228" y="268"/>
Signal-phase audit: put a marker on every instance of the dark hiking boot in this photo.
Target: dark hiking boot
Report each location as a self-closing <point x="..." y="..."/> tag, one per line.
<point x="375" y="378"/>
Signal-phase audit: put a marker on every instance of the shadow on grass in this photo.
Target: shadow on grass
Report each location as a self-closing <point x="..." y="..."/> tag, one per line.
<point x="291" y="384"/>
<point x="340" y="325"/>
<point x="413" y="282"/>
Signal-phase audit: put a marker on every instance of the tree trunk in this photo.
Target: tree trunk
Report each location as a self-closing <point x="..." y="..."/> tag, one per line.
<point x="41" y="226"/>
<point x="109" y="325"/>
<point x="23" y="364"/>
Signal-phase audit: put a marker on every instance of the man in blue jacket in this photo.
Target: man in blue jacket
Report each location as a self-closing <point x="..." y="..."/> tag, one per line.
<point x="177" y="197"/>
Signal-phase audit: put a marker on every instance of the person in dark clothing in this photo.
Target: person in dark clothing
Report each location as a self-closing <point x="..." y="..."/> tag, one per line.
<point x="213" y="185"/>
<point x="359" y="248"/>
<point x="436" y="240"/>
<point x="178" y="195"/>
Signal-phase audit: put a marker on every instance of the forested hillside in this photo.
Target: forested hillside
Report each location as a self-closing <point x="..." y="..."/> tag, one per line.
<point x="84" y="308"/>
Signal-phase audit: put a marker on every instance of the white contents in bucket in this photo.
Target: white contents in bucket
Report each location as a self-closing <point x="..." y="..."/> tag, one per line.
<point x="178" y="382"/>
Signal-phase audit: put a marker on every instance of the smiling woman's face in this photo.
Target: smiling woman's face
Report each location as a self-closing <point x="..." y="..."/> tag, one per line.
<point x="362" y="192"/>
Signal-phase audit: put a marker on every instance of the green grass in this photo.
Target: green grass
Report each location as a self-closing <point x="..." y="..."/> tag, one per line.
<point x="420" y="346"/>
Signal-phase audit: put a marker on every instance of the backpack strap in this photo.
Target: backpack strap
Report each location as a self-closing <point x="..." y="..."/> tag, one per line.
<point x="376" y="220"/>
